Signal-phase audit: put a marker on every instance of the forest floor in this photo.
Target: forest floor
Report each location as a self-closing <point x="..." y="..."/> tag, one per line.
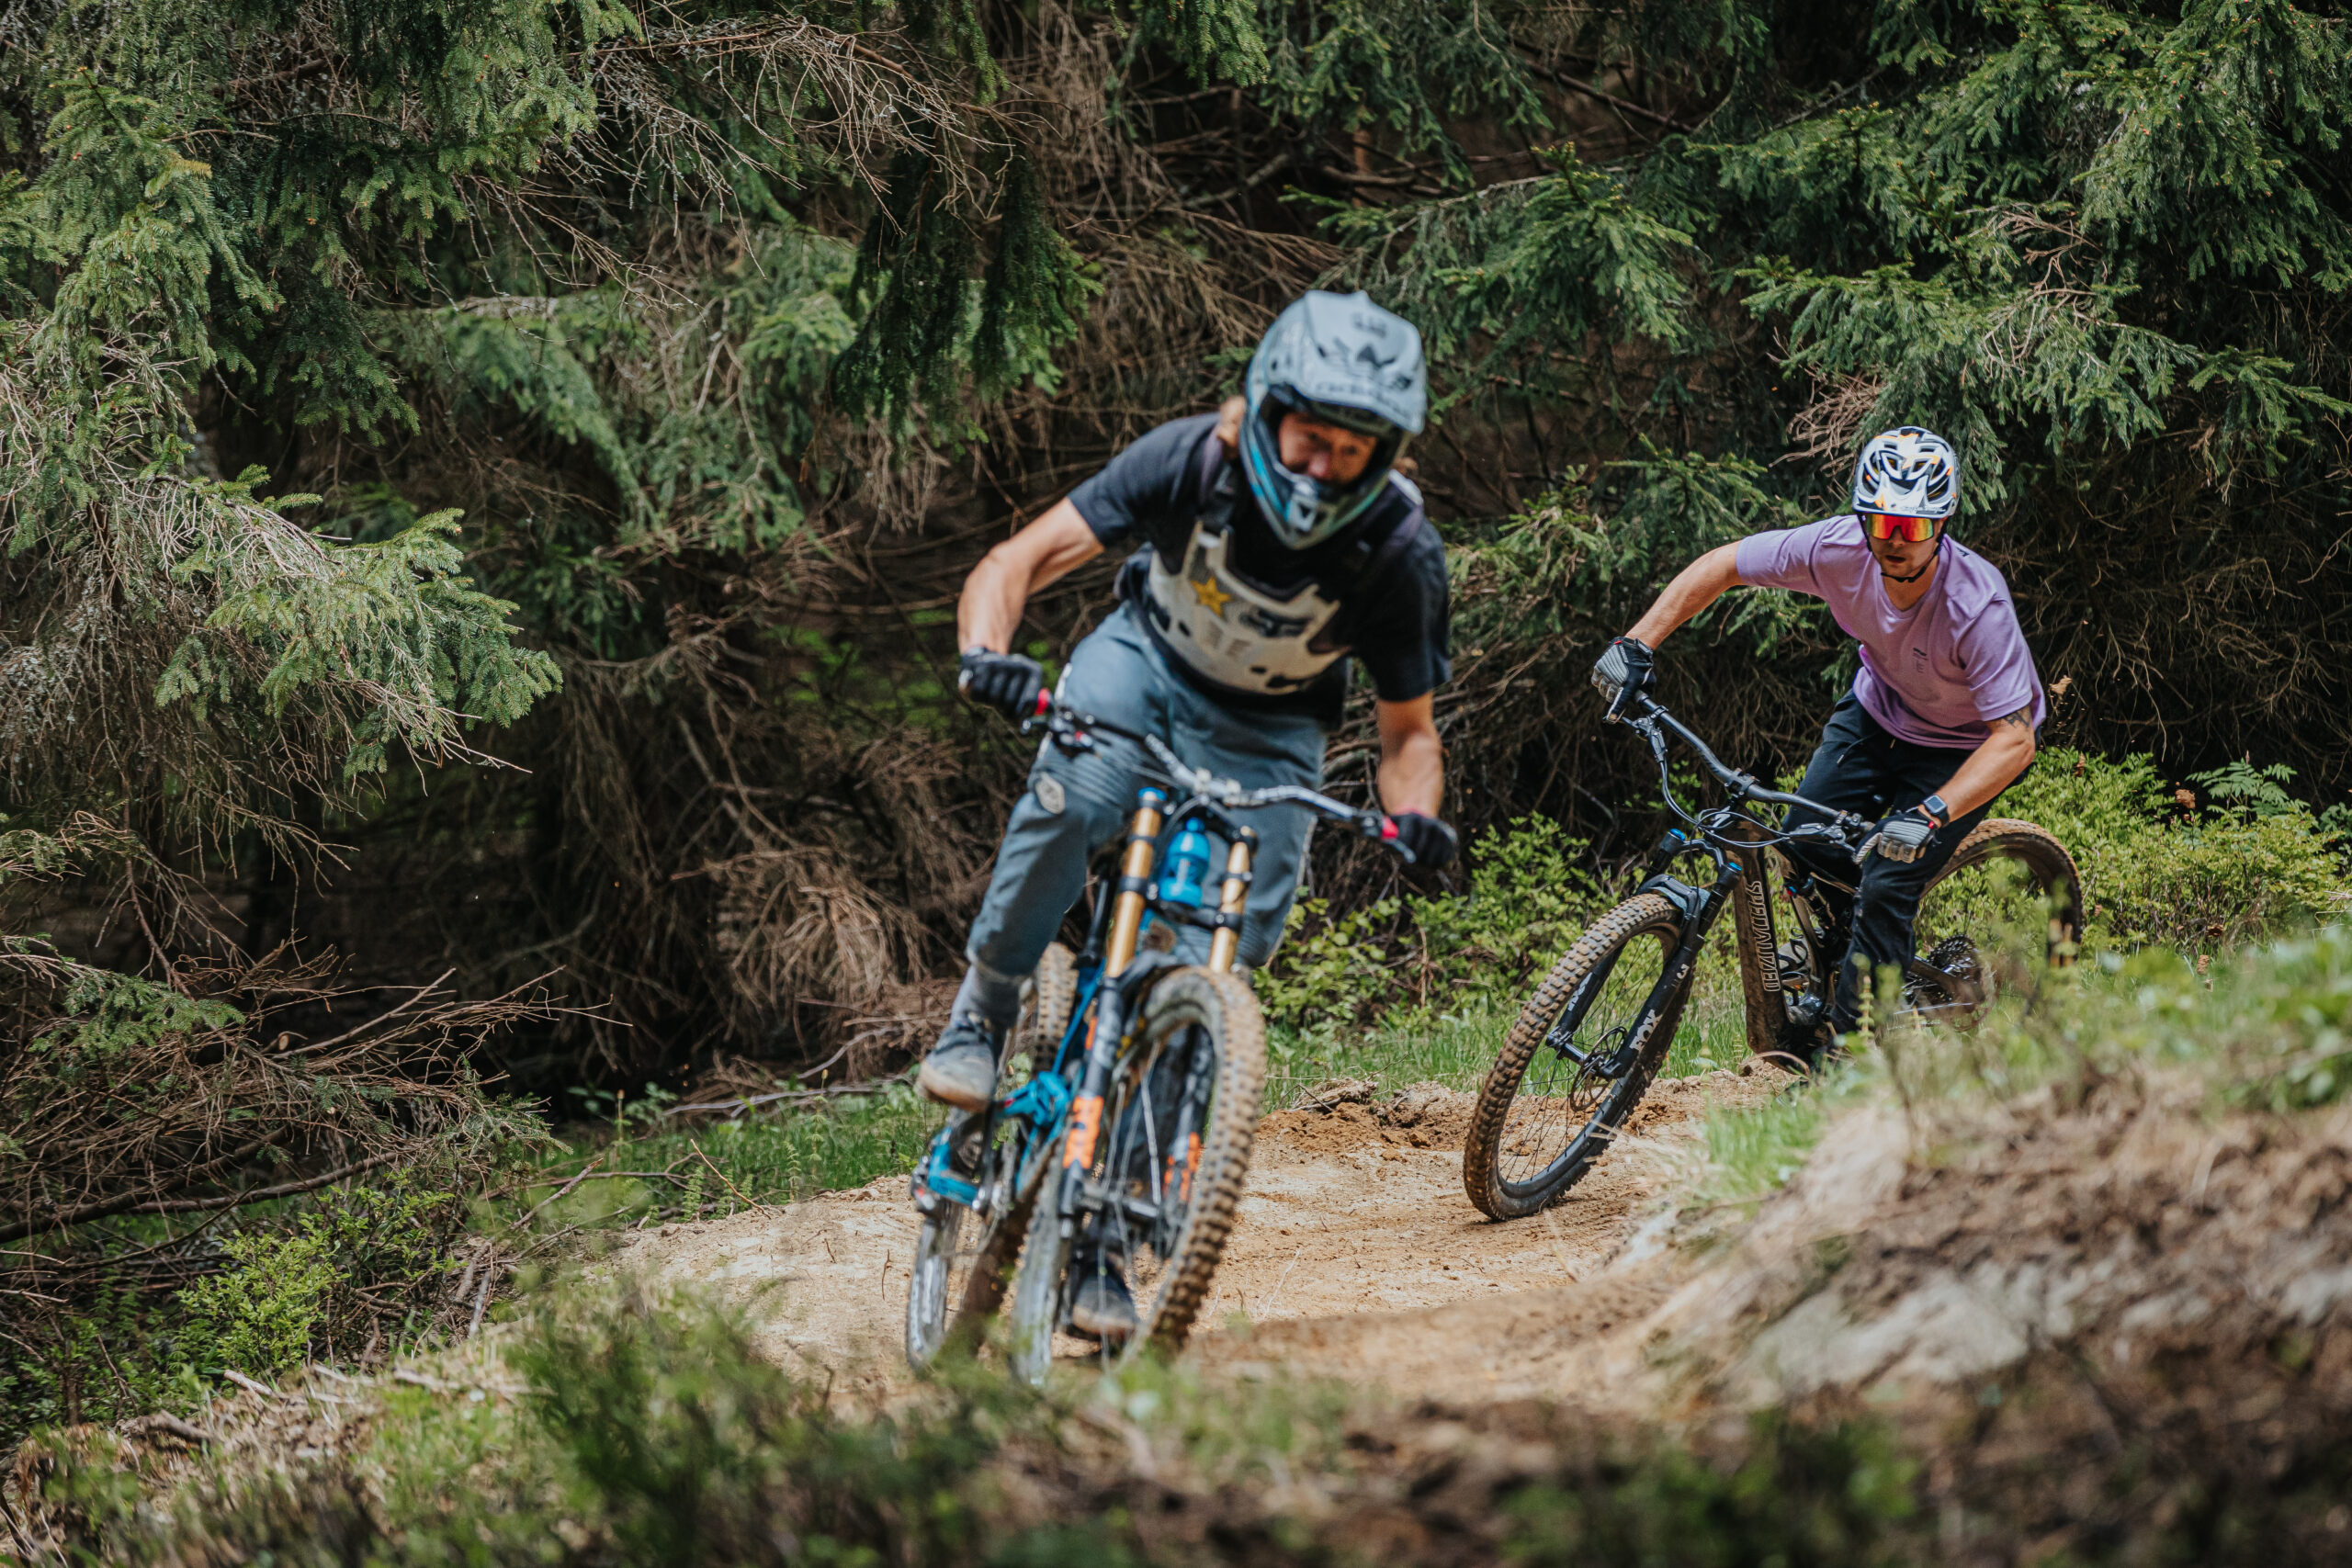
<point x="2108" y="1318"/>
<point x="1356" y="1257"/>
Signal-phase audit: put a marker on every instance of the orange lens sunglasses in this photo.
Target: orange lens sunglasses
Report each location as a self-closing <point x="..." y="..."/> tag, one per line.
<point x="1910" y="530"/>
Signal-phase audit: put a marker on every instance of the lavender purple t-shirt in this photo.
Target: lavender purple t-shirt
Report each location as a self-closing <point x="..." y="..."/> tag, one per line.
<point x="1935" y="675"/>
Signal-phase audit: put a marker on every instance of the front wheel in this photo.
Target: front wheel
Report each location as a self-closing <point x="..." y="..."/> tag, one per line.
<point x="1164" y="1181"/>
<point x="1578" y="1061"/>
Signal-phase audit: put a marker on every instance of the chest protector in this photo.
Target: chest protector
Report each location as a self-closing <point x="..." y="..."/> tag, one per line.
<point x="1236" y="635"/>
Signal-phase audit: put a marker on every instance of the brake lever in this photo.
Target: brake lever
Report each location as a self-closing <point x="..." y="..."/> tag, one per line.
<point x="1381" y="826"/>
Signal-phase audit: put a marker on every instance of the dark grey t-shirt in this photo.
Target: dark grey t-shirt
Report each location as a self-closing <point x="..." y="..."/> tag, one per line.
<point x="1393" y="617"/>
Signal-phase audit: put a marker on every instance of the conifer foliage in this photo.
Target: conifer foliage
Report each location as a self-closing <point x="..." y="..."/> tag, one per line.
<point x="620" y="390"/>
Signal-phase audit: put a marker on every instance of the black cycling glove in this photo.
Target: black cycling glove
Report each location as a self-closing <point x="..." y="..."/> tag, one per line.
<point x="1006" y="682"/>
<point x="1430" y="841"/>
<point x="1625" y="667"/>
<point x="1904" y="836"/>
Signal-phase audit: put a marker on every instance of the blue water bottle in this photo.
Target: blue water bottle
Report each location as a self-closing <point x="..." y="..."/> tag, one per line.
<point x="1185" y="874"/>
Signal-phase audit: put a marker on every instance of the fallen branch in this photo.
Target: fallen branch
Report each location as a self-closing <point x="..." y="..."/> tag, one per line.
<point x="131" y="1205"/>
<point x="747" y="1101"/>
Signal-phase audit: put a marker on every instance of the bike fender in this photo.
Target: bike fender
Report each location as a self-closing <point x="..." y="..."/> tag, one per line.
<point x="1141" y="975"/>
<point x="1692" y="901"/>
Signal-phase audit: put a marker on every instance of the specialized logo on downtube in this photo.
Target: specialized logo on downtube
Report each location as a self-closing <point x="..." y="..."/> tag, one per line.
<point x="1085" y="1126"/>
<point x="1759" y="931"/>
<point x="1191" y="1166"/>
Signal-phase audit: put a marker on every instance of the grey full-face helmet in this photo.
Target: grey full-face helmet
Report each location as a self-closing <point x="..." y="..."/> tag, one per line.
<point x="1343" y="360"/>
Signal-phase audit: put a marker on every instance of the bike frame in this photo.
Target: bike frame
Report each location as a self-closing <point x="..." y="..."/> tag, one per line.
<point x="1102" y="1015"/>
<point x="1736" y="843"/>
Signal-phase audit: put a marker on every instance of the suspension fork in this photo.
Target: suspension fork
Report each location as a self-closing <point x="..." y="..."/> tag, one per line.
<point x="1700" y="906"/>
<point x="1233" y="899"/>
<point x="1759" y="942"/>
<point x="1110" y="1021"/>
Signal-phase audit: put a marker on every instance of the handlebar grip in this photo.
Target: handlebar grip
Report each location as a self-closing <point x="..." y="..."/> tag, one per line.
<point x="1380" y="825"/>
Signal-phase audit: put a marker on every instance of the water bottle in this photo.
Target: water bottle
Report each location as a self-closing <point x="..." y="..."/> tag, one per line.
<point x="1185" y="874"/>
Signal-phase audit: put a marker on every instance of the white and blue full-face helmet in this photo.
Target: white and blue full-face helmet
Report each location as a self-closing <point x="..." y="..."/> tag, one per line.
<point x="1908" y="472"/>
<point x="1343" y="360"/>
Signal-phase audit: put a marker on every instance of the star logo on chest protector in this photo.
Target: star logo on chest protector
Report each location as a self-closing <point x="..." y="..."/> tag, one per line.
<point x="1212" y="597"/>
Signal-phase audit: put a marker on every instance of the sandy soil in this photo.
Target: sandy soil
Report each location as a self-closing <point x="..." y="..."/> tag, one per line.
<point x="1357" y="1256"/>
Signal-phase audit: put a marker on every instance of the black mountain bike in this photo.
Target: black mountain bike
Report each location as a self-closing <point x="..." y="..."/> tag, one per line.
<point x="1137" y="1120"/>
<point x="1598" y="1028"/>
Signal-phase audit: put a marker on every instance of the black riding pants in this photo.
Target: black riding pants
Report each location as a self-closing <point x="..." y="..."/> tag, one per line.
<point x="1862" y="769"/>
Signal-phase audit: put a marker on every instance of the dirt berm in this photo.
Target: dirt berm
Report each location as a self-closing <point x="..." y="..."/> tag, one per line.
<point x="2106" y="1322"/>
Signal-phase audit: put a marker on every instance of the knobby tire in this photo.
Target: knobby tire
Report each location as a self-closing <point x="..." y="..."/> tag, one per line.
<point x="1222" y="1005"/>
<point x="1596" y="953"/>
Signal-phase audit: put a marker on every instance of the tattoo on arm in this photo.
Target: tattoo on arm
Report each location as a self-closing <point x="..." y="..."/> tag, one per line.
<point x="2022" y="718"/>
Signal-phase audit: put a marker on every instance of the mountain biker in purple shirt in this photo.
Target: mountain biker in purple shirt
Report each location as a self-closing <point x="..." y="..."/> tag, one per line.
<point x="1943" y="711"/>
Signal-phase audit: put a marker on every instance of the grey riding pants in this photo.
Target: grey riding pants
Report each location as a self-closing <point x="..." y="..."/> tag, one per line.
<point x="1077" y="803"/>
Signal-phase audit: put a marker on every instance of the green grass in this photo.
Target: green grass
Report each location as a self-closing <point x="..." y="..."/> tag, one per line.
<point x="717" y="1167"/>
<point x="1452" y="1049"/>
<point x="1457" y="1048"/>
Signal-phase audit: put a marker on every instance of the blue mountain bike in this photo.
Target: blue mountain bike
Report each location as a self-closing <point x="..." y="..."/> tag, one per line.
<point x="1131" y="1135"/>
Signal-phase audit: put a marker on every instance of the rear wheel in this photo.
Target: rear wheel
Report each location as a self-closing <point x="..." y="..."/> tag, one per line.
<point x="2009" y="881"/>
<point x="1045" y="1016"/>
<point x="943" y="1268"/>
<point x="1578" y="1061"/>
<point x="962" y="1259"/>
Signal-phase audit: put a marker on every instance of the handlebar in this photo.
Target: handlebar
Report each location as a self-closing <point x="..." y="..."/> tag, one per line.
<point x="1069" y="730"/>
<point x="1843" y="829"/>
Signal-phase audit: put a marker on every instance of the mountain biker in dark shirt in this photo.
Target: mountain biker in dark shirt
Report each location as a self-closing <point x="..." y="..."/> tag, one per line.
<point x="1943" y="711"/>
<point x="1278" y="540"/>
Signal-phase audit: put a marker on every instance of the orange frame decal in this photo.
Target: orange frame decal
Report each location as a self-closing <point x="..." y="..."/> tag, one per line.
<point x="1085" y="1126"/>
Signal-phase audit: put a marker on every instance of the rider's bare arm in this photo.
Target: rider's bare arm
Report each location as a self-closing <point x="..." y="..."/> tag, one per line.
<point x="1694" y="588"/>
<point x="1053" y="546"/>
<point x="1994" y="765"/>
<point x="1412" y="763"/>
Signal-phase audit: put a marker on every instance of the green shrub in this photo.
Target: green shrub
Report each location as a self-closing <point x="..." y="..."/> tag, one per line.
<point x="2270" y="1026"/>
<point x="2247" y="860"/>
<point x="1530" y="892"/>
<point x="300" y="1293"/>
<point x="2161" y="869"/>
<point x="649" y="1432"/>
<point x="258" y="1317"/>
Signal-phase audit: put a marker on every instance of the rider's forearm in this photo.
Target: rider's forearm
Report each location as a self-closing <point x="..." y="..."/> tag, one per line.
<point x="1993" y="766"/>
<point x="1694" y="588"/>
<point x="998" y="588"/>
<point x="1412" y="759"/>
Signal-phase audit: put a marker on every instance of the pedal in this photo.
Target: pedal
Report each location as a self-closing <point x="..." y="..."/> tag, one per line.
<point x="950" y="1168"/>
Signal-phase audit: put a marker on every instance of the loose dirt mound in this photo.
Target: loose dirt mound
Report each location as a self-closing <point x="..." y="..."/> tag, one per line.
<point x="2133" y="1233"/>
<point x="1351" y="1216"/>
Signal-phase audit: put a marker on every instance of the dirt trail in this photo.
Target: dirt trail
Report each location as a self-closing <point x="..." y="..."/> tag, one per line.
<point x="1357" y="1256"/>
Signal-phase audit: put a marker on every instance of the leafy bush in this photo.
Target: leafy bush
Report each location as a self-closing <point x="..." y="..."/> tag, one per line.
<point x="1530" y="896"/>
<point x="302" y="1292"/>
<point x="2271" y="1027"/>
<point x="2158" y="868"/>
<point x="2250" y="861"/>
<point x="650" y="1434"/>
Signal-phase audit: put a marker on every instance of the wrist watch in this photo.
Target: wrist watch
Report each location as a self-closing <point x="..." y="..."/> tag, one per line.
<point x="1935" y="810"/>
